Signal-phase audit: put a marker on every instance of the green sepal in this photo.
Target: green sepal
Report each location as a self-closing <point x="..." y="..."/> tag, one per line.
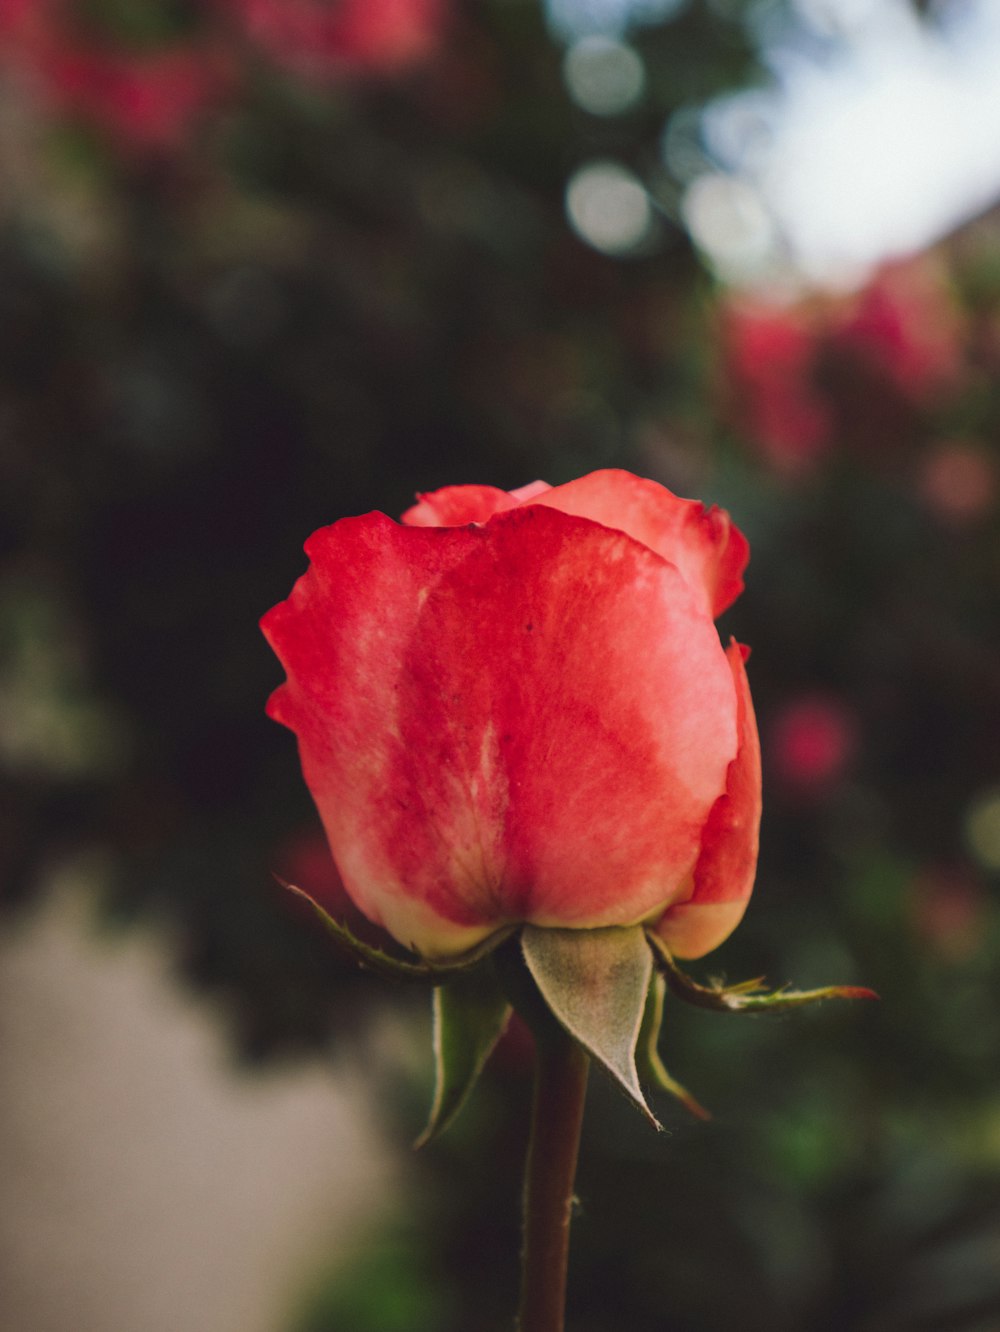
<point x="374" y="959"/>
<point x="748" y="996"/>
<point x="651" y="1068"/>
<point x="470" y="1014"/>
<point x="595" y="983"/>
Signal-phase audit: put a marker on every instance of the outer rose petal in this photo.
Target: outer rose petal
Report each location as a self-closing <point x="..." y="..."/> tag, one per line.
<point x="707" y="547"/>
<point x="528" y="720"/>
<point x="454" y="506"/>
<point x="724" y="874"/>
<point x="710" y="551"/>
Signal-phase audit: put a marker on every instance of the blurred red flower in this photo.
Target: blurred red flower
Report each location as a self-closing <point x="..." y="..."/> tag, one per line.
<point x="769" y="360"/>
<point x="17" y="15"/>
<point x="905" y="326"/>
<point x="948" y="907"/>
<point x="324" y="38"/>
<point x="958" y="482"/>
<point x="812" y="740"/>
<point x="141" y="100"/>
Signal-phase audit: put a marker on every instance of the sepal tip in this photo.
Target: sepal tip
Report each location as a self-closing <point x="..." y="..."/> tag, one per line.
<point x="375" y="959"/>
<point x="746" y="996"/>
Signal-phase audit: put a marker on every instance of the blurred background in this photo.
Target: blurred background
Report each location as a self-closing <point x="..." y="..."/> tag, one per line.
<point x="266" y="263"/>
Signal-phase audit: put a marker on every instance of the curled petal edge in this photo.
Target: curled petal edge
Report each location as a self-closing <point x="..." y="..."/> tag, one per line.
<point x="724" y="873"/>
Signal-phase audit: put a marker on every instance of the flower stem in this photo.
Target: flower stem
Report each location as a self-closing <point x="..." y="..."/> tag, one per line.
<point x="561" y="1068"/>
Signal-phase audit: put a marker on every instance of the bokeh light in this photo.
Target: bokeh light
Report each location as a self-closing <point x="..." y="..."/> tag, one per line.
<point x="604" y="76"/>
<point x="813" y="738"/>
<point x="982" y="828"/>
<point x="609" y="207"/>
<point x="575" y="18"/>
<point x="730" y="224"/>
<point x="878" y="134"/>
<point x="684" y="151"/>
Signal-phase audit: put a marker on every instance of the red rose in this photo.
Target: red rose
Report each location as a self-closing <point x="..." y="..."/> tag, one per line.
<point x="516" y="707"/>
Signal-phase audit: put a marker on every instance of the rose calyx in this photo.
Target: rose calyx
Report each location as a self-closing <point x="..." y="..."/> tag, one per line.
<point x="604" y="987"/>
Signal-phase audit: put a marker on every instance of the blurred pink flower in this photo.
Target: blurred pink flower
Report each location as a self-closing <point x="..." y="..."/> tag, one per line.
<point x="958" y="482"/>
<point x="813" y="739"/>
<point x="769" y="356"/>
<point x="16" y="15"/>
<point x="947" y="907"/>
<point x="142" y="101"/>
<point x="906" y="327"/>
<point x="26" y="29"/>
<point x="323" y="38"/>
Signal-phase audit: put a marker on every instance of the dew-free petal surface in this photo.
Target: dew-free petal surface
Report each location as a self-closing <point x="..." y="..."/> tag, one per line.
<point x="527" y="720"/>
<point x="454" y="506"/>
<point x="725" y="869"/>
<point x="704" y="543"/>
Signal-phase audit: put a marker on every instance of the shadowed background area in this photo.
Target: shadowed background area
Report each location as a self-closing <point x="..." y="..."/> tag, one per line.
<point x="266" y="263"/>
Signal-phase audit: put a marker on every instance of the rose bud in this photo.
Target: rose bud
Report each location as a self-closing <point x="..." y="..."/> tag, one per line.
<point x="515" y="708"/>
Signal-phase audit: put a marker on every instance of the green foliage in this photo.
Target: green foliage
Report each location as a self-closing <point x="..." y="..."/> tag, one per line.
<point x="143" y="26"/>
<point x="385" y="1291"/>
<point x="470" y="1014"/>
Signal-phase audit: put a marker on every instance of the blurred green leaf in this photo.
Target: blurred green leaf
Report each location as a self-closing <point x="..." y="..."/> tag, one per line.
<point x="470" y="1014"/>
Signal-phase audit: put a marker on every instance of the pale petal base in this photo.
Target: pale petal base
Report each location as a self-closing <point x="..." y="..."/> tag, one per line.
<point x="692" y="929"/>
<point x="420" y="929"/>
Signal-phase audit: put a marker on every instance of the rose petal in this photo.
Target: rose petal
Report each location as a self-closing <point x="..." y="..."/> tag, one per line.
<point x="454" y="506"/>
<point x="529" y="492"/>
<point x="710" y="551"/>
<point x="707" y="547"/>
<point x="724" y="874"/>
<point x="528" y="720"/>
